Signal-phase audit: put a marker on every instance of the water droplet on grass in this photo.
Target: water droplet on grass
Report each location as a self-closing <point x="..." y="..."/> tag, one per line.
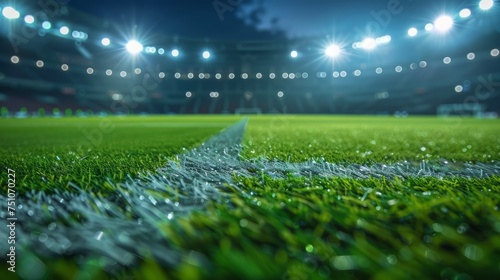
<point x="243" y="223"/>
<point x="423" y="149"/>
<point x="43" y="237"/>
<point x="99" y="235"/>
<point x="392" y="259"/>
<point x="309" y="248"/>
<point x="473" y="252"/>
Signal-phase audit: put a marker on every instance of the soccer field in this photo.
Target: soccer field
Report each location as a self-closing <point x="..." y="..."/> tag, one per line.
<point x="257" y="197"/>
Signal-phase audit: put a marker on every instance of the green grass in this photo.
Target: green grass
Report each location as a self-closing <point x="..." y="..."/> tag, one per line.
<point x="372" y="139"/>
<point x="293" y="228"/>
<point x="48" y="153"/>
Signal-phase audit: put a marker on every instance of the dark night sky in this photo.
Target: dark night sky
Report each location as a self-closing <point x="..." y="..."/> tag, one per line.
<point x="263" y="19"/>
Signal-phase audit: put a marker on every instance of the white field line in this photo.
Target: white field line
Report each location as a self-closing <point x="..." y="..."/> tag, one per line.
<point x="120" y="228"/>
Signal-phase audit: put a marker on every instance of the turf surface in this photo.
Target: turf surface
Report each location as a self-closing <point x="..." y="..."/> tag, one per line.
<point x="301" y="227"/>
<point x="48" y="153"/>
<point x="372" y="139"/>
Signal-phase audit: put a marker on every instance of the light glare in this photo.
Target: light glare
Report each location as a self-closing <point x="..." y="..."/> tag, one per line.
<point x="46" y="25"/>
<point x="333" y="51"/>
<point x="10" y="13"/>
<point x="294" y="54"/>
<point x="412" y="32"/>
<point x="465" y="13"/>
<point x="134" y="47"/>
<point x="369" y="44"/>
<point x="29" y="19"/>
<point x="64" y="30"/>
<point x="206" y="54"/>
<point x="443" y="23"/>
<point x="486" y="4"/>
<point x="105" y="41"/>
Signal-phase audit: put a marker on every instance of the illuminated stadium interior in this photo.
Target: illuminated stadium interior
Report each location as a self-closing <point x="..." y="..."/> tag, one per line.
<point x="76" y="61"/>
<point x="249" y="139"/>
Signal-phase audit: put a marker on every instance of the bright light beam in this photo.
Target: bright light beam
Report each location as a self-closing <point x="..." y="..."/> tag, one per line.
<point x="369" y="44"/>
<point x="443" y="23"/>
<point x="412" y="32"/>
<point x="486" y="4"/>
<point x="10" y="13"/>
<point x="105" y="41"/>
<point x="465" y="13"/>
<point x="333" y="50"/>
<point x="134" y="47"/>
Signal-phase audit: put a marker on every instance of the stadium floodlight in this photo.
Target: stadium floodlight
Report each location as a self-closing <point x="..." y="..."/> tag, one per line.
<point x="369" y="44"/>
<point x="64" y="30"/>
<point x="10" y="13"/>
<point x="412" y="32"/>
<point x="383" y="40"/>
<point x="333" y="50"/>
<point x="29" y="19"/>
<point x="465" y="13"/>
<point x="443" y="23"/>
<point x="486" y="4"/>
<point x="294" y="54"/>
<point x="206" y="54"/>
<point x="175" y="52"/>
<point x="105" y="42"/>
<point x="46" y="25"/>
<point x="14" y="59"/>
<point x="134" y="47"/>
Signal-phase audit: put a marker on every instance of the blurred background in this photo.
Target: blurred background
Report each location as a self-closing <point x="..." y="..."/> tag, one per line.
<point x="390" y="57"/>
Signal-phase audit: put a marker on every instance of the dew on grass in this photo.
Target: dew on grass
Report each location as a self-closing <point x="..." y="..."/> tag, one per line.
<point x="473" y="252"/>
<point x="30" y="213"/>
<point x="309" y="248"/>
<point x="437" y="227"/>
<point x="423" y="149"/>
<point x="52" y="226"/>
<point x="170" y="216"/>
<point x="392" y="259"/>
<point x="99" y="235"/>
<point x="462" y="228"/>
<point x="344" y="262"/>
<point x="43" y="237"/>
<point x="243" y="223"/>
<point x="392" y="202"/>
